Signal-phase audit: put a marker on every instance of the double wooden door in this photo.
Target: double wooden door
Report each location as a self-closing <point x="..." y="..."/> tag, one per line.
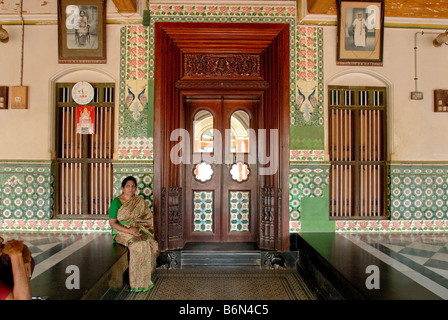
<point x="220" y="177"/>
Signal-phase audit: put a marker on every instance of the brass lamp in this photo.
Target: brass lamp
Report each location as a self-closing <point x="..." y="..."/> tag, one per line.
<point x="4" y="36"/>
<point x="440" y="39"/>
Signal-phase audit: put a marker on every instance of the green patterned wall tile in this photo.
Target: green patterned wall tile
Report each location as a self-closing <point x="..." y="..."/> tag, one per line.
<point x="418" y="192"/>
<point x="203" y="211"/>
<point x="307" y="181"/>
<point x="239" y="210"/>
<point x="26" y="190"/>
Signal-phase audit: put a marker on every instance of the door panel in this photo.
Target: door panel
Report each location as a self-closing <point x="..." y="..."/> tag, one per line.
<point x="221" y="179"/>
<point x="239" y="186"/>
<point x="201" y="202"/>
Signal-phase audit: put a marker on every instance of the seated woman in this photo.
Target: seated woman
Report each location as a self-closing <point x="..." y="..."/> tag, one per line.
<point x="133" y="226"/>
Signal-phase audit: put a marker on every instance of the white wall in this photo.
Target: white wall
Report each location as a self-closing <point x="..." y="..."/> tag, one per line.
<point x="28" y="134"/>
<point x="416" y="132"/>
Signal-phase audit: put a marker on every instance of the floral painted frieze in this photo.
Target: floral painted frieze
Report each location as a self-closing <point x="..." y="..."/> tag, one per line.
<point x="391" y="226"/>
<point x="340" y="226"/>
<point x="306" y="155"/>
<point x="140" y="148"/>
<point x="134" y="142"/>
<point x="137" y="55"/>
<point x="307" y="101"/>
<point x="307" y="96"/>
<point x="54" y="225"/>
<point x="222" y="10"/>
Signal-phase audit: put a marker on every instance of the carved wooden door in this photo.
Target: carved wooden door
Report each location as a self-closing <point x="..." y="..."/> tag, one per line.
<point x="221" y="176"/>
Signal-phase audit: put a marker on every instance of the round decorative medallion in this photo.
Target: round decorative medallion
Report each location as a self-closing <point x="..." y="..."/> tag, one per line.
<point x="82" y="92"/>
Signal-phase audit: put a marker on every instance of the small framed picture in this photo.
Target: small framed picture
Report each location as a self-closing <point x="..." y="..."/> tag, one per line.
<point x="360" y="33"/>
<point x="82" y="31"/>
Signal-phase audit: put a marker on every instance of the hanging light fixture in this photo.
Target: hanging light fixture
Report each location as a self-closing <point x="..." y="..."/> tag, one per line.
<point x="4" y="36"/>
<point x="440" y="39"/>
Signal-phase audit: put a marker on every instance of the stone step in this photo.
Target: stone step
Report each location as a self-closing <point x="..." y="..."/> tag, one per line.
<point x="221" y="259"/>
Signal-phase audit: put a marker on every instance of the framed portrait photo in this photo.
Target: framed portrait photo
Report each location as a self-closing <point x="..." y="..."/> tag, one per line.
<point x="82" y="31"/>
<point x="360" y="33"/>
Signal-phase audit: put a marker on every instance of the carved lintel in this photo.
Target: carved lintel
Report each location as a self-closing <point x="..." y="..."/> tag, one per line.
<point x="199" y="65"/>
<point x="204" y="84"/>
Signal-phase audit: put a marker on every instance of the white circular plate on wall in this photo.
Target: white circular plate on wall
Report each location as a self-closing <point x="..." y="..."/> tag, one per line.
<point x="82" y="92"/>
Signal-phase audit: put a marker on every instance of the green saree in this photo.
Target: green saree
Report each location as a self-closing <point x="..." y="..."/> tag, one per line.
<point x="143" y="250"/>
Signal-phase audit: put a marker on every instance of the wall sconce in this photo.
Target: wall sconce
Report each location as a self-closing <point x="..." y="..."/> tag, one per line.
<point x="441" y="39"/>
<point x="4" y="36"/>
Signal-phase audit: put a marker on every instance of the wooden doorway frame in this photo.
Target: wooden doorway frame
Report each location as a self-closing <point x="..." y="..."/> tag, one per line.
<point x="269" y="43"/>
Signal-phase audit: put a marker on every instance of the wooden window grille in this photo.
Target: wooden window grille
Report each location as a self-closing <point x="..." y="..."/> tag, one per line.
<point x="357" y="138"/>
<point x="84" y="177"/>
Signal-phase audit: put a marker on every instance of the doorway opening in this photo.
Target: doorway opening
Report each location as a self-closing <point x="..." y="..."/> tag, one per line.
<point x="220" y="179"/>
<point x="222" y="83"/>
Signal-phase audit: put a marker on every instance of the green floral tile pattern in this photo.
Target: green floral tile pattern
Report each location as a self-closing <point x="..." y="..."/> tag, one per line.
<point x="203" y="211"/>
<point x="306" y="155"/>
<point x="392" y="226"/>
<point x="304" y="181"/>
<point x="140" y="148"/>
<point x="419" y="192"/>
<point x="54" y="225"/>
<point x="239" y="210"/>
<point x="26" y="190"/>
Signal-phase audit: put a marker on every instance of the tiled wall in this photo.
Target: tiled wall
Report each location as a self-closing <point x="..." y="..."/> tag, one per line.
<point x="304" y="181"/>
<point x="26" y="196"/>
<point x="418" y="197"/>
<point x="26" y="190"/>
<point x="418" y="193"/>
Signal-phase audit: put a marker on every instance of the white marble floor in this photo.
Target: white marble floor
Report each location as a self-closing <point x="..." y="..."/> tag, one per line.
<point x="423" y="257"/>
<point x="48" y="249"/>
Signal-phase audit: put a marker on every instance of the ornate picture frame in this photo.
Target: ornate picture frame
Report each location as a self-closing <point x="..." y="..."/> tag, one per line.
<point x="82" y="31"/>
<point x="360" y="33"/>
